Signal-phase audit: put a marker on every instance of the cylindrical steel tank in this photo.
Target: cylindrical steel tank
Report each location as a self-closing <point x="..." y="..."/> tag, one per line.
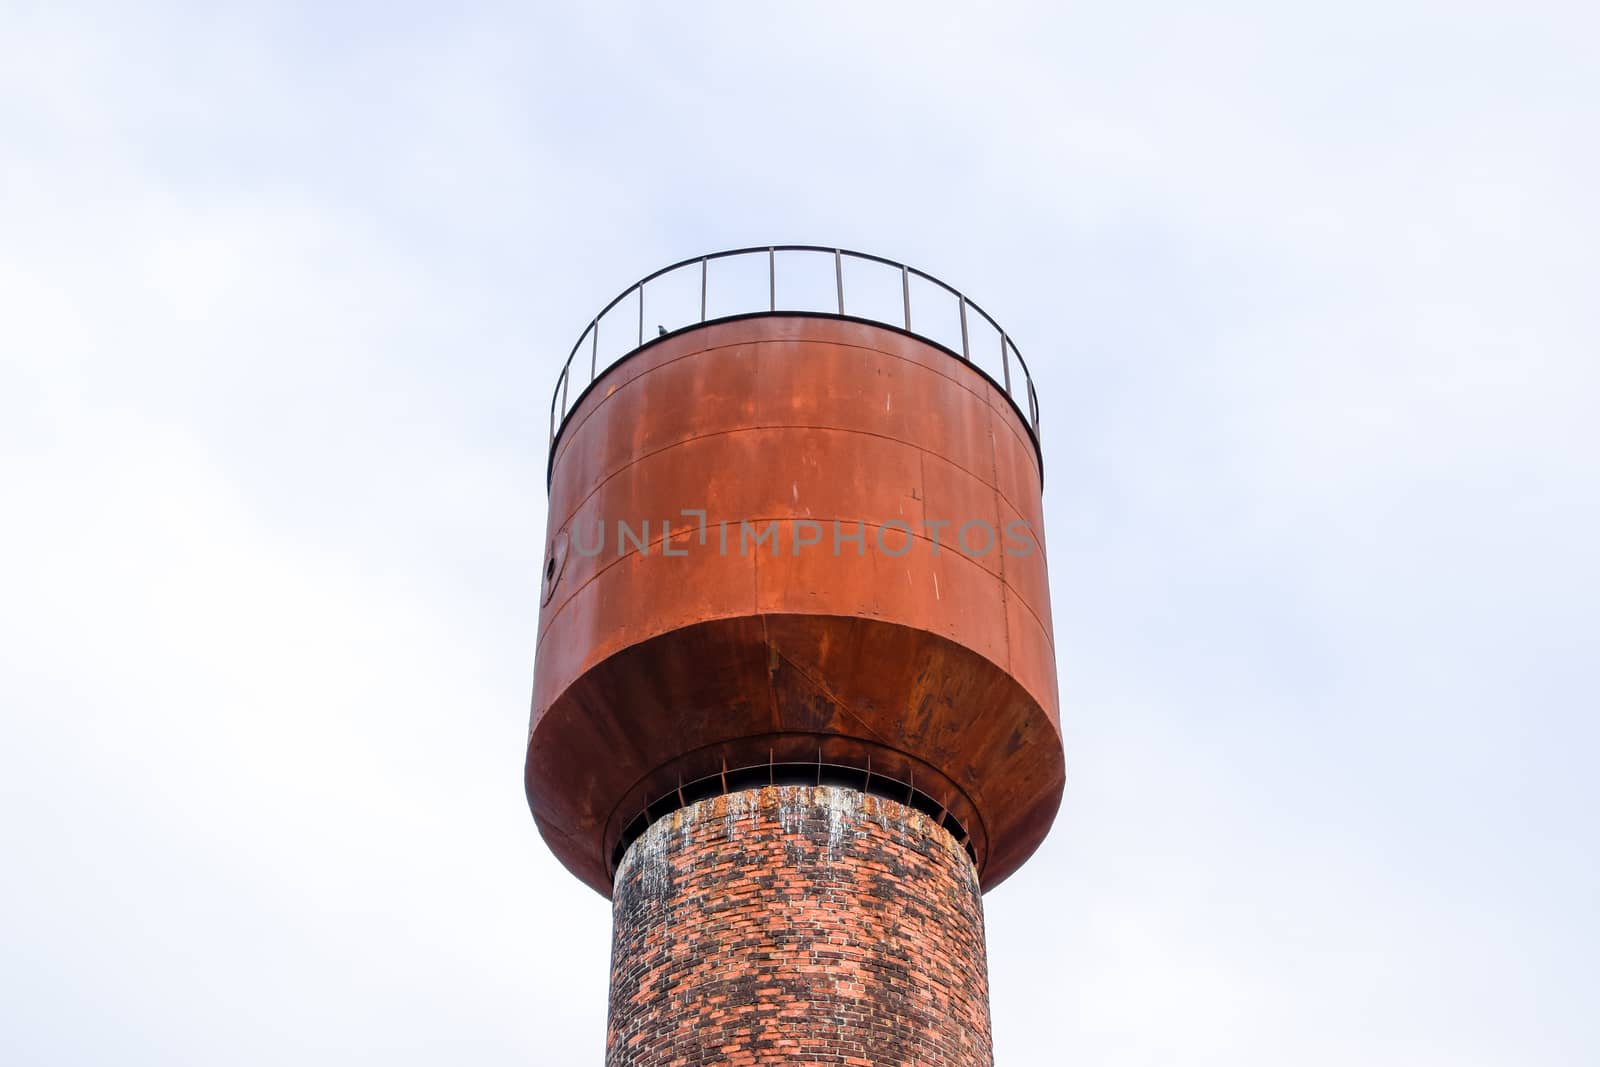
<point x="794" y="548"/>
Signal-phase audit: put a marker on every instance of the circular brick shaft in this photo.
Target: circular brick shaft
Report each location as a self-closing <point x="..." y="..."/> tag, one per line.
<point x="797" y="925"/>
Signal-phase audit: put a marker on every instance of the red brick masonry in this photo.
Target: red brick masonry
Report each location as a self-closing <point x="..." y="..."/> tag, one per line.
<point x="797" y="925"/>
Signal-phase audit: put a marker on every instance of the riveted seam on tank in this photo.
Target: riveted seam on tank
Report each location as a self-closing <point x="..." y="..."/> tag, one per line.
<point x="634" y="461"/>
<point x="564" y="441"/>
<point x="548" y="624"/>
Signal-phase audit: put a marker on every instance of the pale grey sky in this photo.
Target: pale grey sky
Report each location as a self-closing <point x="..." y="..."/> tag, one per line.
<point x="1309" y="295"/>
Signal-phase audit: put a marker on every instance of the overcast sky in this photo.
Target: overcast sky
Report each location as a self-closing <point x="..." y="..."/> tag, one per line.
<point x="1310" y="295"/>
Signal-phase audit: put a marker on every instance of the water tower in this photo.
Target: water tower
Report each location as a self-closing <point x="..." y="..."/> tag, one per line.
<point x="795" y="702"/>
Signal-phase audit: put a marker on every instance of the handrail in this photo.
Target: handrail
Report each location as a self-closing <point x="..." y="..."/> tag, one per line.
<point x="1027" y="406"/>
<point x="791" y="772"/>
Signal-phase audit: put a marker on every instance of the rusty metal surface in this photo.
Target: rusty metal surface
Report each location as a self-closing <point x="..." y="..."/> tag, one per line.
<point x="654" y="669"/>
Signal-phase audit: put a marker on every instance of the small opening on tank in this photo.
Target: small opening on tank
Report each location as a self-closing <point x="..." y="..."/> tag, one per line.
<point x="550" y="569"/>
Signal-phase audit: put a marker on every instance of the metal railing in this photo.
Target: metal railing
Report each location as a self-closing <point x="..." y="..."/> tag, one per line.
<point x="860" y="778"/>
<point x="994" y="356"/>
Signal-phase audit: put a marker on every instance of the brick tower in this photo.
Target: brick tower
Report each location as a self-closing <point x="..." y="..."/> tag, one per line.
<point x="795" y="703"/>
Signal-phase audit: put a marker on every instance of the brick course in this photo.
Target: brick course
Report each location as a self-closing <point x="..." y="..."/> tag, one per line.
<point x="797" y="925"/>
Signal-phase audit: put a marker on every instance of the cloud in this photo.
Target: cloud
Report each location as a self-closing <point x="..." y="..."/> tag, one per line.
<point x="1306" y="299"/>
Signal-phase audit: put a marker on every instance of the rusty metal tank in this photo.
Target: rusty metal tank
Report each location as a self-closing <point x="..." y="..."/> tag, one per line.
<point x="791" y="545"/>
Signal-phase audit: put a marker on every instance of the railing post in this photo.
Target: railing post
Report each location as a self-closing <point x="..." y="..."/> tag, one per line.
<point x="772" y="279"/>
<point x="703" y="288"/>
<point x="594" y="348"/>
<point x="838" y="276"/>
<point x="641" y="315"/>
<point x="965" y="354"/>
<point x="1005" y="362"/>
<point x="905" y="293"/>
